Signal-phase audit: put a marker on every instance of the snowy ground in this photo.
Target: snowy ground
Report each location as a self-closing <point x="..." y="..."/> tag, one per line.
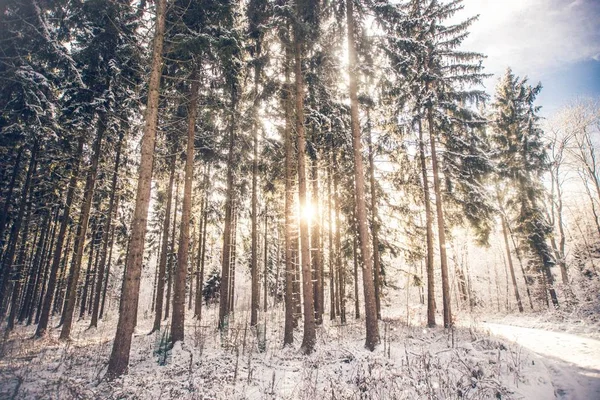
<point x="574" y="361"/>
<point x="410" y="363"/>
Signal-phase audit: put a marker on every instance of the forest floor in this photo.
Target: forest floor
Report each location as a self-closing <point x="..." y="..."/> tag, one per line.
<point x="410" y="363"/>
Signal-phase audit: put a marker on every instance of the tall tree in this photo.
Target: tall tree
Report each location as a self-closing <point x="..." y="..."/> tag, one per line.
<point x="521" y="158"/>
<point x="372" y="326"/>
<point x="119" y="358"/>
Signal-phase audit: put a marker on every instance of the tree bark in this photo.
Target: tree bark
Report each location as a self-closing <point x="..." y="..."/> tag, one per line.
<point x="82" y="227"/>
<point x="288" y="337"/>
<point x="178" y="321"/>
<point x="106" y="233"/>
<point x="375" y="218"/>
<point x="309" y="338"/>
<point x="9" y="257"/>
<point x="202" y="245"/>
<point x="441" y="226"/>
<point x="170" y="260"/>
<point x="317" y="265"/>
<point x="372" y="327"/>
<point x="11" y="186"/>
<point x="119" y="358"/>
<point x="429" y="224"/>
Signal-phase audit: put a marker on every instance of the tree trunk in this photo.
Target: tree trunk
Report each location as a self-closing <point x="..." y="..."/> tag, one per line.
<point x="89" y="273"/>
<point x="227" y="229"/>
<point x="429" y="224"/>
<point x="9" y="257"/>
<point x="119" y="358"/>
<point x="341" y="270"/>
<point x="162" y="265"/>
<point x="41" y="285"/>
<point x="86" y="205"/>
<point x="441" y="226"/>
<point x="355" y="259"/>
<point x="332" y="280"/>
<point x="317" y="266"/>
<point x="11" y="186"/>
<point x="178" y="321"/>
<point x="372" y="327"/>
<point x="170" y="260"/>
<point x="266" y="254"/>
<point x="288" y="337"/>
<point x="106" y="233"/>
<point x="35" y="270"/>
<point x="309" y="338"/>
<point x="202" y="245"/>
<point x="375" y="218"/>
<point x="510" y="264"/>
<point x="20" y="266"/>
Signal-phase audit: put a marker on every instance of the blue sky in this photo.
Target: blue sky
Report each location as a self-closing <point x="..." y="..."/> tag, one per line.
<point x="556" y="42"/>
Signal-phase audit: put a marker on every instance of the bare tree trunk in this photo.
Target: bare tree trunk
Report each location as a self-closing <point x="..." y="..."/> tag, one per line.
<point x="375" y="218"/>
<point x="36" y="269"/>
<point x="266" y="254"/>
<point x="41" y="286"/>
<point x="429" y="224"/>
<point x="171" y="260"/>
<point x="20" y="266"/>
<point x="119" y="358"/>
<point x="11" y="186"/>
<point x="332" y="280"/>
<point x="202" y="245"/>
<point x="178" y="321"/>
<point x="227" y="230"/>
<point x="355" y="259"/>
<point x="82" y="227"/>
<point x="106" y="232"/>
<point x="9" y="257"/>
<point x="309" y="338"/>
<point x="441" y="226"/>
<point x="341" y="270"/>
<point x="162" y="264"/>
<point x="317" y="266"/>
<point x="510" y="264"/>
<point x="372" y="327"/>
<point x="288" y="338"/>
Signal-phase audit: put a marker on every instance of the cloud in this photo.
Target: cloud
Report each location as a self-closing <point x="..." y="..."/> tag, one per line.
<point x="534" y="37"/>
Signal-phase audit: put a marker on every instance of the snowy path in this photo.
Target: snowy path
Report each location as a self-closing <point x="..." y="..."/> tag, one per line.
<point x="574" y="361"/>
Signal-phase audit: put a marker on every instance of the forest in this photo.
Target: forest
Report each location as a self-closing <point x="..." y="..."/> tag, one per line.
<point x="287" y="199"/>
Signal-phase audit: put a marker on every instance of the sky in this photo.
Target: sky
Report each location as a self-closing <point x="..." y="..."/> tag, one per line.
<point x="555" y="42"/>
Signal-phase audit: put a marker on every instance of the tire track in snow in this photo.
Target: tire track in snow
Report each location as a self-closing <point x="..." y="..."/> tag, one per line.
<point x="574" y="361"/>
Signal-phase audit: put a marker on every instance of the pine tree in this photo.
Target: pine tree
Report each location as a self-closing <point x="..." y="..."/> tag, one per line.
<point x="521" y="158"/>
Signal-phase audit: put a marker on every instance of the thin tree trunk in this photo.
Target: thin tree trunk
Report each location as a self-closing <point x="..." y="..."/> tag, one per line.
<point x="429" y="224"/>
<point x="171" y="260"/>
<point x="119" y="358"/>
<point x="36" y="269"/>
<point x="266" y="254"/>
<point x="510" y="264"/>
<point x="332" y="280"/>
<point x="106" y="232"/>
<point x="309" y="338"/>
<point x="89" y="273"/>
<point x="441" y="225"/>
<point x="374" y="216"/>
<point x="21" y="262"/>
<point x="162" y="265"/>
<point x="82" y="227"/>
<point x="9" y="257"/>
<point x="227" y="229"/>
<point x="107" y="275"/>
<point x="288" y="337"/>
<point x="355" y="259"/>
<point x="178" y="321"/>
<point x="341" y="270"/>
<point x="41" y="286"/>
<point x="7" y="203"/>
<point x="202" y="245"/>
<point x="372" y="327"/>
<point x="317" y="265"/>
